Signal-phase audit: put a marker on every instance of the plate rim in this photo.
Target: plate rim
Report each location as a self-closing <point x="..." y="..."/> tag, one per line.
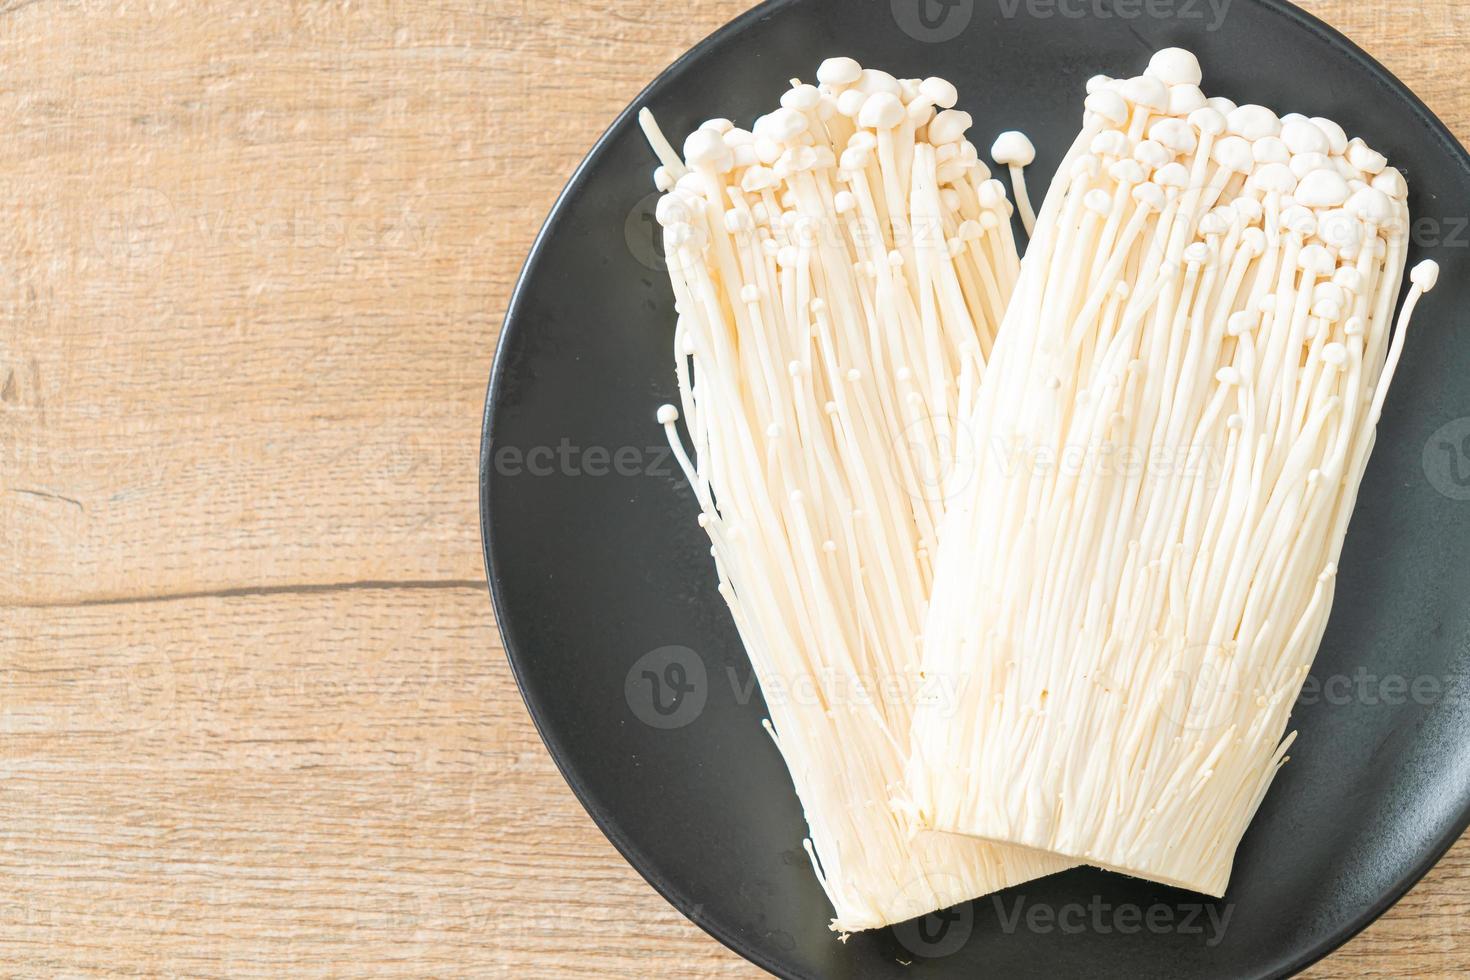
<point x="510" y="326"/>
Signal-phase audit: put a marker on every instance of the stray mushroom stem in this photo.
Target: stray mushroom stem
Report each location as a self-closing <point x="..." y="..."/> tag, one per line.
<point x="1012" y="149"/>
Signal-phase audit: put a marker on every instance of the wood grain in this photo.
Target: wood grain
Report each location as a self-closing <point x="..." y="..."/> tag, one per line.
<point x="256" y="719"/>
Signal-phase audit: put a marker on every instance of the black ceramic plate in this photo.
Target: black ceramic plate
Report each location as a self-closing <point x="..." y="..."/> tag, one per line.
<point x="605" y="593"/>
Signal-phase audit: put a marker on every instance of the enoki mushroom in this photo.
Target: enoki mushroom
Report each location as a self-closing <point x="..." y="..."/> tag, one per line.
<point x="839" y="272"/>
<point x="1172" y="428"/>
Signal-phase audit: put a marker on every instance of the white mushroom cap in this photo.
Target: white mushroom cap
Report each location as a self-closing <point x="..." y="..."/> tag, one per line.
<point x="1425" y="274"/>
<point x="883" y="111"/>
<point x="1392" y="183"/>
<point x="705" y="149"/>
<point x="874" y="80"/>
<point x="1221" y="105"/>
<point x="1172" y="175"/>
<point x="838" y="71"/>
<point x="1013" y="148"/>
<point x="1097" y="83"/>
<point x="1176" y="134"/>
<point x="1150" y="195"/>
<point x="1108" y="104"/>
<point x="1253" y="122"/>
<point x="1336" y="138"/>
<point x="1365" y="158"/>
<point x="1373" y="205"/>
<point x="1348" y="278"/>
<point x="1127" y="171"/>
<point x="784" y="125"/>
<point x="991" y="193"/>
<point x="1184" y="99"/>
<point x="670" y="210"/>
<point x="1322" y="188"/>
<point x="1299" y="219"/>
<point x="1148" y="92"/>
<point x="1207" y="119"/>
<point x="757" y="179"/>
<point x="940" y="92"/>
<point x="1273" y="177"/>
<point x="850" y="103"/>
<point x="1151" y="153"/>
<point x="1098" y="200"/>
<point x="1175" y="66"/>
<point x="1269" y="149"/>
<point x="1341" y="229"/>
<point x="1250" y="210"/>
<point x="1110" y="143"/>
<point x="1317" y="260"/>
<point x="949" y="126"/>
<point x="1304" y="163"/>
<point x="1302" y="136"/>
<point x="803" y="98"/>
<point x="1213" y="223"/>
<point x="1234" y="154"/>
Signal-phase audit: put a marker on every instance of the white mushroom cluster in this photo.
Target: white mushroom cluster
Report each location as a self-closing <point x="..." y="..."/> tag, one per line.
<point x="840" y="270"/>
<point x="1176" y="418"/>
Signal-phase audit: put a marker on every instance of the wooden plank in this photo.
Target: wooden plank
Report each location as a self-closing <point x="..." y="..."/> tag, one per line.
<point x="256" y="719"/>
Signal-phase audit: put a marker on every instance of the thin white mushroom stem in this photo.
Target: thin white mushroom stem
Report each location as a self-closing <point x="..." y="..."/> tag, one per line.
<point x="1013" y="150"/>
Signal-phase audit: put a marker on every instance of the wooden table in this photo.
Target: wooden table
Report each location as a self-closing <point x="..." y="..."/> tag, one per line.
<point x="254" y="717"/>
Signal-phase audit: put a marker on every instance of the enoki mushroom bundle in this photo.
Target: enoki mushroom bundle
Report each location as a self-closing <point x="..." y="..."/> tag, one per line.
<point x="839" y="273"/>
<point x="1172" y="429"/>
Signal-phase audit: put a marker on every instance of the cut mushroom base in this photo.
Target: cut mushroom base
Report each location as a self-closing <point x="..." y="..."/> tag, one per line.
<point x="1203" y="276"/>
<point x="839" y="271"/>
